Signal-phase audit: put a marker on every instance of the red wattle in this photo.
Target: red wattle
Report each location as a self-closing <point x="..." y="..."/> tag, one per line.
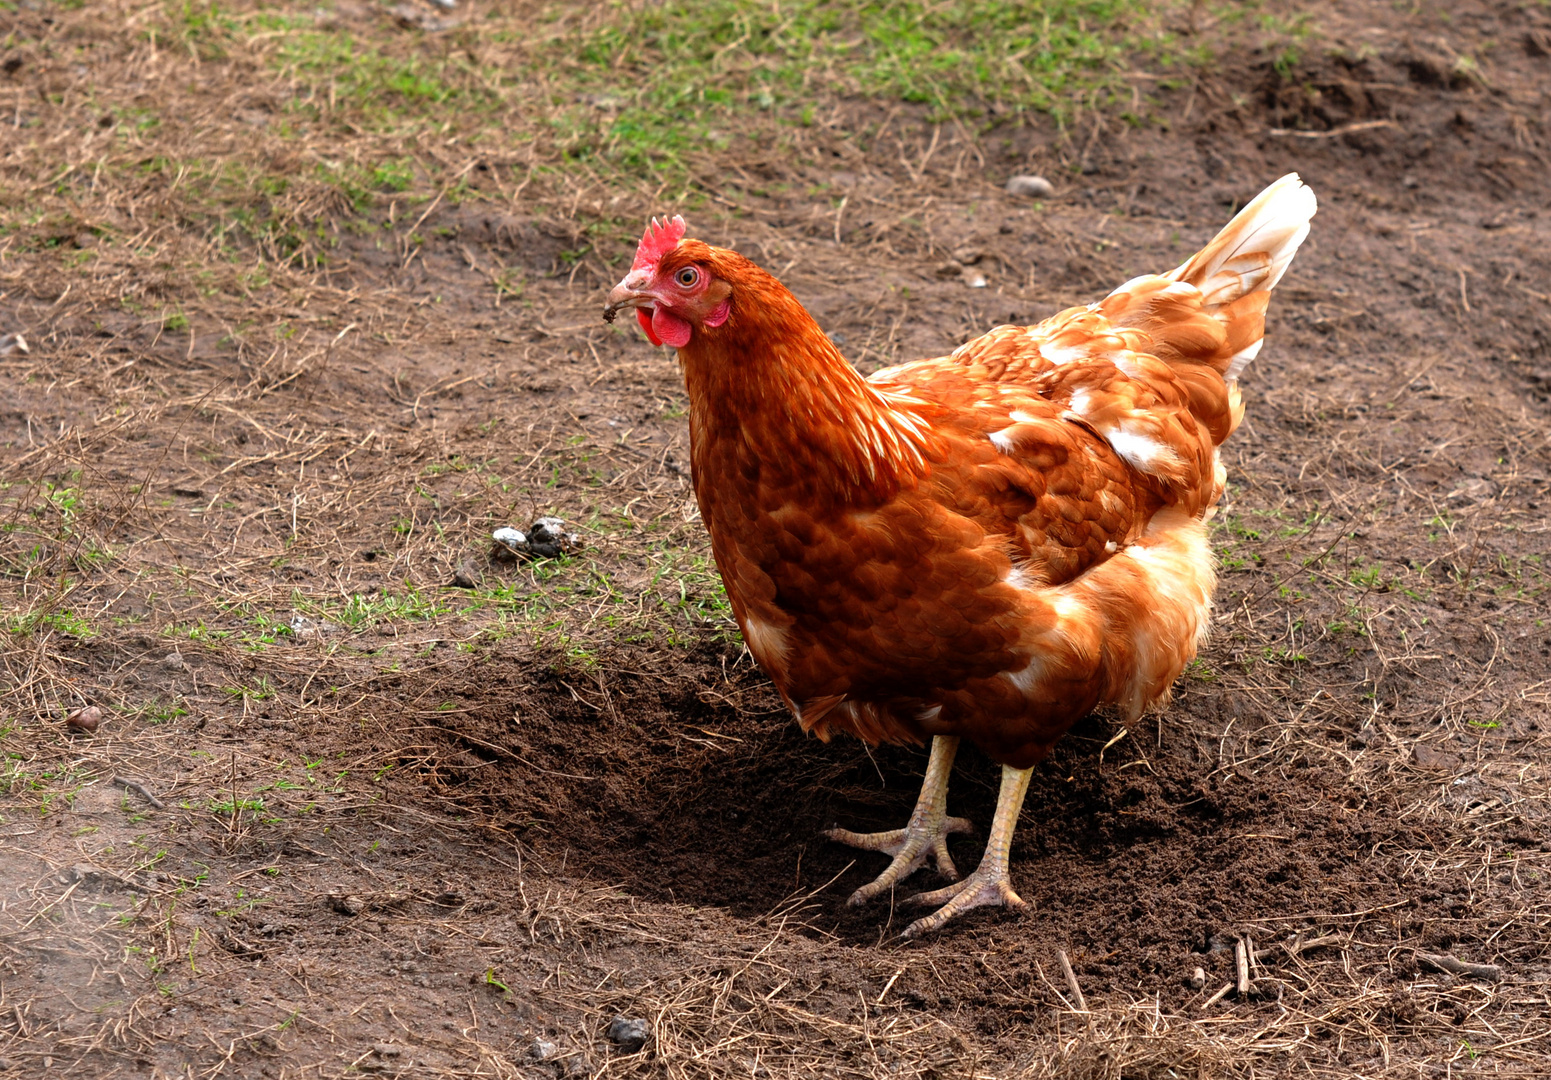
<point x="646" y="324"/>
<point x="669" y="329"/>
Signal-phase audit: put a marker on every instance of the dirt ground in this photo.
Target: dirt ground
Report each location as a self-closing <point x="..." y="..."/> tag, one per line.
<point x="344" y="815"/>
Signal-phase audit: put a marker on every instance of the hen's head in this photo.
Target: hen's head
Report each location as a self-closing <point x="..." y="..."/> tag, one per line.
<point x="678" y="287"/>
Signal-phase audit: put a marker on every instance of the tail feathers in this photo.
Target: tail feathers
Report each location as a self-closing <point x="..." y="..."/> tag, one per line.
<point x="1253" y="251"/>
<point x="1206" y="319"/>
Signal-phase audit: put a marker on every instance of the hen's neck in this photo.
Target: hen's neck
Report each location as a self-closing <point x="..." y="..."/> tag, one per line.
<point x="773" y="393"/>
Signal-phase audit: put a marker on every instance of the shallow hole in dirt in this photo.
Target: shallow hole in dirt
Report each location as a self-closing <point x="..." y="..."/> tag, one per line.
<point x="696" y="787"/>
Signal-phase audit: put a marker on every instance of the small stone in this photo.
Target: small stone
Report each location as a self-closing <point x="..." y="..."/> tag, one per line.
<point x="628" y="1033"/>
<point x="13" y="343"/>
<point x="84" y="720"/>
<point x="1197" y="979"/>
<point x="1030" y="187"/>
<point x="387" y="1050"/>
<point x="974" y="279"/>
<point x="345" y="904"/>
<point x="578" y="1066"/>
<point x="466" y="576"/>
<point x="510" y="541"/>
<point x="542" y="1050"/>
<point x="173" y="661"/>
<point x="968" y="255"/>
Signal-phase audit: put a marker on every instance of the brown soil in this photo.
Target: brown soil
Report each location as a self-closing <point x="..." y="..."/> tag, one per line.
<point x="475" y="832"/>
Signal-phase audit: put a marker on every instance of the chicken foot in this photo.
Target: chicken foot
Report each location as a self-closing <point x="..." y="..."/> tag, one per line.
<point x="925" y="836"/>
<point x="990" y="885"/>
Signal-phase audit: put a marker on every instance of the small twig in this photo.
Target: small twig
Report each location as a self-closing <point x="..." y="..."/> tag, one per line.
<point x="140" y="789"/>
<point x="1301" y="946"/>
<point x="1241" y="955"/>
<point x="1071" y="981"/>
<point x="1123" y="733"/>
<point x="1450" y="965"/>
<point x="1215" y="998"/>
<point x="888" y="986"/>
<point x="1344" y="129"/>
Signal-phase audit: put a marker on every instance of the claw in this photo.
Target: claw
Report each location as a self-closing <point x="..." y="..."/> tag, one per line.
<point x="925" y="837"/>
<point x="910" y="847"/>
<point x="980" y="889"/>
<point x="989" y="885"/>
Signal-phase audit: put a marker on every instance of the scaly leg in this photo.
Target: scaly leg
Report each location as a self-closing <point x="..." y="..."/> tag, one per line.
<point x="989" y="885"/>
<point x="926" y="835"/>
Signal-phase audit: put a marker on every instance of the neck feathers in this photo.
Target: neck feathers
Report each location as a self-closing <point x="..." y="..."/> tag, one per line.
<point x="771" y="380"/>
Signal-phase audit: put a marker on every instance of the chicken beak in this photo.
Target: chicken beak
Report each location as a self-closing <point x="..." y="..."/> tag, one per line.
<point x="633" y="292"/>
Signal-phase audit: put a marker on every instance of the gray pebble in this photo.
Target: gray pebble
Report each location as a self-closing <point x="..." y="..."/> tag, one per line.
<point x="628" y="1033"/>
<point x="541" y="1050"/>
<point x="1030" y="187"/>
<point x="1197" y="979"/>
<point x="466" y="576"/>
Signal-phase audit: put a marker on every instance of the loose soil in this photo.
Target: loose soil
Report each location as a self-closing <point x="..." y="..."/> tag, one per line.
<point x="414" y="844"/>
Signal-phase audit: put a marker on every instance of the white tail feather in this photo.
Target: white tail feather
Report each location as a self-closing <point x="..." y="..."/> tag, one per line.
<point x="1253" y="251"/>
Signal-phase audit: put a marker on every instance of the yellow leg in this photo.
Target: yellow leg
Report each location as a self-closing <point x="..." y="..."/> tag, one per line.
<point x="926" y="835"/>
<point x="989" y="885"/>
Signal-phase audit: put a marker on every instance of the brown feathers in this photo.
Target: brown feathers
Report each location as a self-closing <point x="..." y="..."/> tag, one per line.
<point x="990" y="543"/>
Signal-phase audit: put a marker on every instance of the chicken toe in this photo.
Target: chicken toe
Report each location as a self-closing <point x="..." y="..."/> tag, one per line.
<point x="926" y="836"/>
<point x="990" y="885"/>
<point x="980" y="889"/>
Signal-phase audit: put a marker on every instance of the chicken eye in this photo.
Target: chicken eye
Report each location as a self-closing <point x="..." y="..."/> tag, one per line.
<point x="687" y="277"/>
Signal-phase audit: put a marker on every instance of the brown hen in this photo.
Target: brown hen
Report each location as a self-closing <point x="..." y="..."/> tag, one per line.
<point x="984" y="546"/>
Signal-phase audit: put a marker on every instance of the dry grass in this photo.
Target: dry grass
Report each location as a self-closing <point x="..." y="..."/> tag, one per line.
<point x="296" y="347"/>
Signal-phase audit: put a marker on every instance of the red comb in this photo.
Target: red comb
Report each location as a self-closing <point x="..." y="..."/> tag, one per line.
<point x="660" y="238"/>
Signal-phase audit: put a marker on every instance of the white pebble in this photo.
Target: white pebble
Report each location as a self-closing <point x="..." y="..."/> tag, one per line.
<point x="1033" y="187"/>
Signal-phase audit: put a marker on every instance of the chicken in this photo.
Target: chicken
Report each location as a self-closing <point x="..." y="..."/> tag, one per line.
<point x="984" y="546"/>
